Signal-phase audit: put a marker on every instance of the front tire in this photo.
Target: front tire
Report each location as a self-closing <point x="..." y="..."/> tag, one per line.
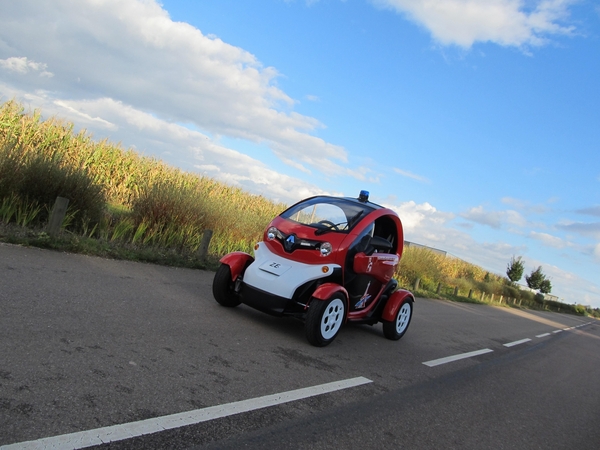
<point x="395" y="329"/>
<point x="324" y="320"/>
<point x="223" y="288"/>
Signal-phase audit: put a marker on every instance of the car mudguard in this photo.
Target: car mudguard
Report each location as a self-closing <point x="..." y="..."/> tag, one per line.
<point x="395" y="302"/>
<point x="326" y="290"/>
<point x="237" y="262"/>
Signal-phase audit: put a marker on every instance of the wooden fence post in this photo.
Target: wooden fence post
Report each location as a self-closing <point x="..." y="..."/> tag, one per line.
<point x="455" y="290"/>
<point x="417" y="282"/>
<point x="470" y="293"/>
<point x="439" y="288"/>
<point x="57" y="216"/>
<point x="203" y="249"/>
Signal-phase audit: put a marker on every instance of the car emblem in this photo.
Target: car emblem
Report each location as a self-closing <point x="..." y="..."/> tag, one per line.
<point x="289" y="242"/>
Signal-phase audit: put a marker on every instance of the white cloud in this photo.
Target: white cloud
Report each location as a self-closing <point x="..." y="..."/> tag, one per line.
<point x="494" y="219"/>
<point x="134" y="53"/>
<point x="505" y="22"/>
<point x="23" y="65"/>
<point x="549" y="240"/>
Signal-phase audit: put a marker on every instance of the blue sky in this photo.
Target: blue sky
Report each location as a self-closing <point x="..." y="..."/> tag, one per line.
<point x="477" y="121"/>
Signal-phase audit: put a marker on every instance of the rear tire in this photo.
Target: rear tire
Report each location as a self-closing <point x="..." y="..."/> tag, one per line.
<point x="222" y="288"/>
<point x="395" y="329"/>
<point x="324" y="320"/>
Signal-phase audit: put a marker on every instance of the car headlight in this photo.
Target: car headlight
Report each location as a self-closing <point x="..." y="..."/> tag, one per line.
<point x="272" y="233"/>
<point x="325" y="249"/>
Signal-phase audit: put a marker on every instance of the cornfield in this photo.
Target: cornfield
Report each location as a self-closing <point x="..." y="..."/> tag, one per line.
<point x="117" y="194"/>
<point x="120" y="197"/>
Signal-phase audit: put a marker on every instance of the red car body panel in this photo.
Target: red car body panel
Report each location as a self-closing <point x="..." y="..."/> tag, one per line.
<point x="326" y="290"/>
<point x="237" y="262"/>
<point x="395" y="302"/>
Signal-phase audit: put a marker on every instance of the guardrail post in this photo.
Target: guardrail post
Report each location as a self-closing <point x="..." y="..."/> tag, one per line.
<point x="203" y="249"/>
<point x="57" y="216"/>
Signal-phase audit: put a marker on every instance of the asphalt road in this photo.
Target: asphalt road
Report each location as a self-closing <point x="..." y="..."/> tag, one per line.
<point x="87" y="343"/>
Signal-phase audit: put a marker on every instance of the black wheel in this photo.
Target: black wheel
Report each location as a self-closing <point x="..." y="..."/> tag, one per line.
<point x="324" y="319"/>
<point x="395" y="329"/>
<point x="223" y="288"/>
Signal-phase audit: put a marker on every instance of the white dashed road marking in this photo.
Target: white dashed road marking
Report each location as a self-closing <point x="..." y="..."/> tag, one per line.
<point x="134" y="429"/>
<point x="448" y="359"/>
<point x="512" y="344"/>
<point x="437" y="362"/>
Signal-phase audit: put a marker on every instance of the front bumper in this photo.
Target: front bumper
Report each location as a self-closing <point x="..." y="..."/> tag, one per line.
<point x="273" y="284"/>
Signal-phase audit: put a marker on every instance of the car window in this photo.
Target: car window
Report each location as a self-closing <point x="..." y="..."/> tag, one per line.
<point x="320" y="213"/>
<point x="327" y="213"/>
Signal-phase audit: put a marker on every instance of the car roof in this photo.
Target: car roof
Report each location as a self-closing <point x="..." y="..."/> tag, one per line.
<point x="348" y="199"/>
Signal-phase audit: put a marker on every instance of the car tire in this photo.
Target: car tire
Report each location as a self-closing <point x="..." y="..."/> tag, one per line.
<point x="324" y="320"/>
<point x="395" y="329"/>
<point x="222" y="288"/>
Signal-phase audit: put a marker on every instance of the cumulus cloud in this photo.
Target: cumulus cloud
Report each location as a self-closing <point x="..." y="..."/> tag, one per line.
<point x="23" y="65"/>
<point x="549" y="240"/>
<point x="134" y="53"/>
<point x="514" y="23"/>
<point x="494" y="219"/>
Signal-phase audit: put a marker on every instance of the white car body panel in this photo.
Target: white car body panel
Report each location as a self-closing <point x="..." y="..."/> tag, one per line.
<point x="280" y="276"/>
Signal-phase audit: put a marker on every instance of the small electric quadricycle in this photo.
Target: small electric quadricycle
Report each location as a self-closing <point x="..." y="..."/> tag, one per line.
<point x="327" y="261"/>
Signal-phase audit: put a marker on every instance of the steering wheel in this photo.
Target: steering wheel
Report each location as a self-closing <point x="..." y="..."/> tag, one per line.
<point x="330" y="224"/>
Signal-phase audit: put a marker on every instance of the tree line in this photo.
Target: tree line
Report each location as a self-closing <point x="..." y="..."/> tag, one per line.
<point x="535" y="280"/>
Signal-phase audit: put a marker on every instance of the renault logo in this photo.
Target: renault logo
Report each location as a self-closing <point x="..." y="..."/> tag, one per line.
<point x="289" y="242"/>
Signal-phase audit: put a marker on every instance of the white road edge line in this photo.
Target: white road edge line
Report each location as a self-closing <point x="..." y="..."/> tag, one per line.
<point x="542" y="335"/>
<point x="512" y="344"/>
<point x="447" y="359"/>
<point x="114" y="433"/>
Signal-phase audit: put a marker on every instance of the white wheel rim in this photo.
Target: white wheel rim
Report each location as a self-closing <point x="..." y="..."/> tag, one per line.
<point x="332" y="318"/>
<point x="403" y="317"/>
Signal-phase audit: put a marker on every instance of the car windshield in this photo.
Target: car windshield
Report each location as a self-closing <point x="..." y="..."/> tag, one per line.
<point x="328" y="213"/>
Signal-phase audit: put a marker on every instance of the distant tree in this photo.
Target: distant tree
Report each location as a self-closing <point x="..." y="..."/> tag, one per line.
<point x="545" y="286"/>
<point x="535" y="278"/>
<point x="514" y="270"/>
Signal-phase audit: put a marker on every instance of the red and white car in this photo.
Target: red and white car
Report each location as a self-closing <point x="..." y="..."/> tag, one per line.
<point x="326" y="260"/>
